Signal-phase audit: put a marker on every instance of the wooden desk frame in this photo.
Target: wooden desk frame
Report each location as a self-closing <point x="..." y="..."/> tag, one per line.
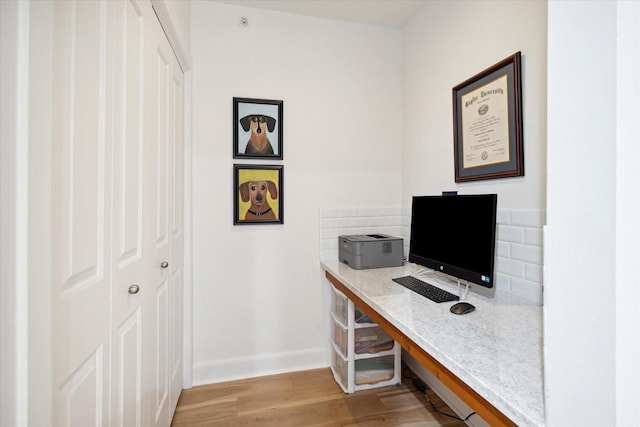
<point x="476" y="402"/>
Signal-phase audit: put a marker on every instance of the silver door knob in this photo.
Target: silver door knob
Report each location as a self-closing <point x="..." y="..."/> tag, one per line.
<point x="164" y="264"/>
<point x="134" y="289"/>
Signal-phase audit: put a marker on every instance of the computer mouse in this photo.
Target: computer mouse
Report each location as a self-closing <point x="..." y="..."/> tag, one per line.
<point x="462" y="308"/>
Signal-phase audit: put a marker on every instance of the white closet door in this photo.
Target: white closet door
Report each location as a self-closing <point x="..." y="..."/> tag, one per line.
<point x="116" y="216"/>
<point x="127" y="38"/>
<point x="81" y="221"/>
<point x="163" y="172"/>
<point x="156" y="242"/>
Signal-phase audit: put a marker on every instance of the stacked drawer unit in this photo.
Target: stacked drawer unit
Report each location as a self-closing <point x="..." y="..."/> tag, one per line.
<point x="363" y="355"/>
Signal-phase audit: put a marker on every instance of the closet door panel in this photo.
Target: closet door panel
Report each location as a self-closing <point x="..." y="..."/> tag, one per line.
<point x="158" y="128"/>
<point x="129" y="257"/>
<point x="80" y="214"/>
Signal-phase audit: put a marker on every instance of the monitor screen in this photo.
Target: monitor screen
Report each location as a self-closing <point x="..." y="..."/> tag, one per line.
<point x="455" y="235"/>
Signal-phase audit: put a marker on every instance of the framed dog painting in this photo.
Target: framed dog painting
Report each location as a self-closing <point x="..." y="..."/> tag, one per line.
<point x="257" y="128"/>
<point x="258" y="195"/>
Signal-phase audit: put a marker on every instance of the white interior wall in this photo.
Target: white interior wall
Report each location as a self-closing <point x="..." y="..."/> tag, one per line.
<point x="627" y="214"/>
<point x="12" y="350"/>
<point x="580" y="259"/>
<point x="447" y="43"/>
<point x="256" y="288"/>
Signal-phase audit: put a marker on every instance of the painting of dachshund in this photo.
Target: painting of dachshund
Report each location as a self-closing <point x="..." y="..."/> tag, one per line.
<point x="257" y="128"/>
<point x="256" y="192"/>
<point x="258" y="142"/>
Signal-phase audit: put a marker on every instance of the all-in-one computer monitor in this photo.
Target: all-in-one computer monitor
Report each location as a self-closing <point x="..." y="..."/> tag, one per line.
<point x="455" y="235"/>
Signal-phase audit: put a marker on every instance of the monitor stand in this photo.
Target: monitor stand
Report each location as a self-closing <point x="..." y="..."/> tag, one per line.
<point x="466" y="291"/>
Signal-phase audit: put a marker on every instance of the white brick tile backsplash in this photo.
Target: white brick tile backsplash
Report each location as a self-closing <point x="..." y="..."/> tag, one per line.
<point x="387" y="212"/>
<point x="528" y="218"/>
<point x="509" y="267"/>
<point x="380" y="221"/>
<point x="503" y="217"/>
<point x="329" y="233"/>
<point x="508" y="233"/>
<point x="519" y="246"/>
<point x="526" y="253"/>
<point x="324" y="223"/>
<point x="533" y="236"/>
<point x="527" y="289"/>
<point x="503" y="249"/>
<point x="503" y="282"/>
<point x="349" y="212"/>
<point x="533" y="273"/>
<point x="329" y="213"/>
<point x="325" y="244"/>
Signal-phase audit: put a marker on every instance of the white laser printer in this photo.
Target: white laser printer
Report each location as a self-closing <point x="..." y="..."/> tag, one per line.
<point x="370" y="251"/>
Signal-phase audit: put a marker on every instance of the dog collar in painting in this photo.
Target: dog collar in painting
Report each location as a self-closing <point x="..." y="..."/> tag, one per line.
<point x="258" y="213"/>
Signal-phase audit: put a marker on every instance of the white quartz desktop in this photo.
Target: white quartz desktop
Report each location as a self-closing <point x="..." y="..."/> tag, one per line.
<point x="496" y="349"/>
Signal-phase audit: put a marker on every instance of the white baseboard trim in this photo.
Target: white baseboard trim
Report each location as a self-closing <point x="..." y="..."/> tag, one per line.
<point x="215" y="371"/>
<point x="457" y="405"/>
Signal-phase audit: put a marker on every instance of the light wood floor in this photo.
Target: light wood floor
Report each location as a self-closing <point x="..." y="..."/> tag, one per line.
<point x="307" y="398"/>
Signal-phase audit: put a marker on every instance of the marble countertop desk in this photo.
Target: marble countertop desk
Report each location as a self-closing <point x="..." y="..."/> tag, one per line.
<point x="496" y="350"/>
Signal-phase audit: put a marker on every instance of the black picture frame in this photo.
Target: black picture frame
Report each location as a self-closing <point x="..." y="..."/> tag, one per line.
<point x="487" y="123"/>
<point x="258" y="194"/>
<point x="257" y="128"/>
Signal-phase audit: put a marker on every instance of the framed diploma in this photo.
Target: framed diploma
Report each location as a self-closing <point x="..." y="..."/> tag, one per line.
<point x="487" y="123"/>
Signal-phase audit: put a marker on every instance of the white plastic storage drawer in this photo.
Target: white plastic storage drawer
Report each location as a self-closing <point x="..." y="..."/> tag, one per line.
<point x="371" y="340"/>
<point x="340" y="369"/>
<point x="340" y="337"/>
<point x="360" y="317"/>
<point x="339" y="306"/>
<point x="374" y="370"/>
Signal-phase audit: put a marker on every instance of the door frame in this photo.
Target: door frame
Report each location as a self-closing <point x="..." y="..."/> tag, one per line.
<point x="26" y="314"/>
